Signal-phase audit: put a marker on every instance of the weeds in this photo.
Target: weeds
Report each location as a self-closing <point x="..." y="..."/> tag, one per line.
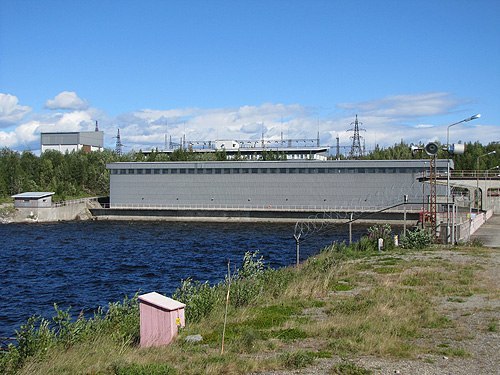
<point x="349" y="368"/>
<point x="297" y="359"/>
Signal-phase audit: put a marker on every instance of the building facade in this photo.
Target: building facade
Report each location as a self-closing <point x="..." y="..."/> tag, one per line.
<point x="72" y="141"/>
<point x="37" y="199"/>
<point x="321" y="185"/>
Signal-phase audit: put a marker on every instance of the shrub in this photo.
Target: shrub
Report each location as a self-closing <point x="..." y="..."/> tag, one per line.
<point x="417" y="239"/>
<point x="200" y="298"/>
<point x="383" y="231"/>
<point x="247" y="283"/>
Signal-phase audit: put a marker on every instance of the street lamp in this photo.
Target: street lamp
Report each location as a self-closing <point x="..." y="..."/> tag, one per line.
<point x="448" y="172"/>
<point x="477" y="176"/>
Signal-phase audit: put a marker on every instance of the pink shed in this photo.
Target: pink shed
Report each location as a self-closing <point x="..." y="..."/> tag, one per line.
<point x="160" y="318"/>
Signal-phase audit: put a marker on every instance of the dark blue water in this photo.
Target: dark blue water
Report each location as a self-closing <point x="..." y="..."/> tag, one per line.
<point x="84" y="265"/>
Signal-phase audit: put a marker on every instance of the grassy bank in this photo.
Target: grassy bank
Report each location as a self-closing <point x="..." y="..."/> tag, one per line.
<point x="346" y="302"/>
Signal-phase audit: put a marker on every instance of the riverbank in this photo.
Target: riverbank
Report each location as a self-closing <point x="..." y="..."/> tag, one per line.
<point x="428" y="312"/>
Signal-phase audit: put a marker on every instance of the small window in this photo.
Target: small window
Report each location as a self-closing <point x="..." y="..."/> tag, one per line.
<point x="321" y="170"/>
<point x="273" y="170"/>
<point x="255" y="170"/>
<point x="182" y="171"/>
<point x="148" y="171"/>
<point x="131" y="171"/>
<point x="173" y="171"/>
<point x="218" y="171"/>
<point x="302" y="170"/>
<point x="208" y="171"/>
<point x="140" y="171"/>
<point x="156" y="171"/>
<point x="244" y="170"/>
<point x="227" y="170"/>
<point x="123" y="171"/>
<point x="190" y="171"/>
<point x="282" y="170"/>
<point x="164" y="171"/>
<point x="263" y="170"/>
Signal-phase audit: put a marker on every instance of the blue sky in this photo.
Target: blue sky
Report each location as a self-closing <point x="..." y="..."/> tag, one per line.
<point x="234" y="69"/>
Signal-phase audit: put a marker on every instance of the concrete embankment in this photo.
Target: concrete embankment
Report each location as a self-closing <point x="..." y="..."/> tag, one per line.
<point x="73" y="210"/>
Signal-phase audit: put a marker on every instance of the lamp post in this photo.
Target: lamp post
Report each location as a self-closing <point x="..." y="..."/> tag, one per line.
<point x="477" y="176"/>
<point x="448" y="173"/>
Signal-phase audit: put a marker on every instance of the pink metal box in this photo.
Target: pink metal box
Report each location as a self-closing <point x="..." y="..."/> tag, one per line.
<point x="160" y="318"/>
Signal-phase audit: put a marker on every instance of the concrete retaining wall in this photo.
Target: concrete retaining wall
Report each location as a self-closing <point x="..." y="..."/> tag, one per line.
<point x="246" y="215"/>
<point x="77" y="211"/>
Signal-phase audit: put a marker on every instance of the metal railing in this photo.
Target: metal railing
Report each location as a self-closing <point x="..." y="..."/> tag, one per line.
<point x="74" y="201"/>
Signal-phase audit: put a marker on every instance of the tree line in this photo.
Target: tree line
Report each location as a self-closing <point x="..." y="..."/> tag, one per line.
<point x="79" y="174"/>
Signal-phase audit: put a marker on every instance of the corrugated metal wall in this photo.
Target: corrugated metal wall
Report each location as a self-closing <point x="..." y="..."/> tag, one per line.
<point x="386" y="184"/>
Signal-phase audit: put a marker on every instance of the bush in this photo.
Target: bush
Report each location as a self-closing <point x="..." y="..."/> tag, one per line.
<point x="383" y="231"/>
<point x="200" y="299"/>
<point x="417" y="239"/>
<point x="247" y="283"/>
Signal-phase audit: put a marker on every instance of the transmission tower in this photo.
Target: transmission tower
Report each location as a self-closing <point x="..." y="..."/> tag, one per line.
<point x="119" y="144"/>
<point x="356" y="150"/>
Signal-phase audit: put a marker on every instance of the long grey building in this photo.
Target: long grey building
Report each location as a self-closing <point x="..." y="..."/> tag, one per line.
<point x="270" y="185"/>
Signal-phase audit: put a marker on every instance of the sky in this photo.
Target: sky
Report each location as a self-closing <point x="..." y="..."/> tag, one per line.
<point x="240" y="70"/>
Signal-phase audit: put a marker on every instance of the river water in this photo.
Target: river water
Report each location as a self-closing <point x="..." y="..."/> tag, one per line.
<point x="84" y="265"/>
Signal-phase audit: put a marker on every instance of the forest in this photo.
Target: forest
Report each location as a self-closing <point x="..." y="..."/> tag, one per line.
<point x="79" y="174"/>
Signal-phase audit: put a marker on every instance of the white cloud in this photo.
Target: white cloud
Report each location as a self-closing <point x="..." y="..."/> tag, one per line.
<point x="387" y="121"/>
<point x="25" y="135"/>
<point x="10" y="110"/>
<point x="66" y="100"/>
<point x="405" y="106"/>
